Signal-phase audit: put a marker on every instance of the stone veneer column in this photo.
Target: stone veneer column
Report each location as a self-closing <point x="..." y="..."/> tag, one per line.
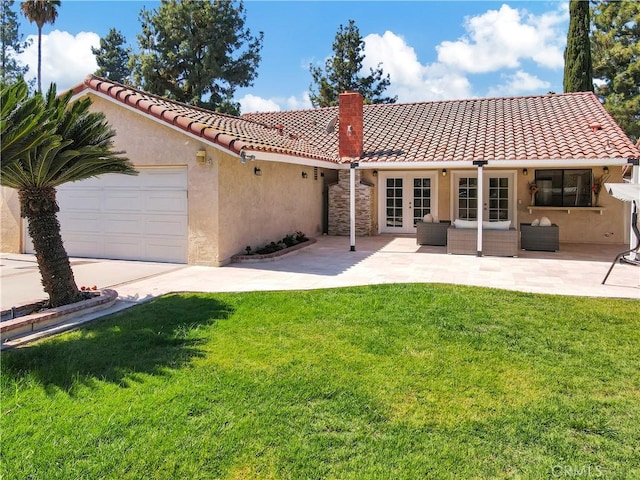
<point x="339" y="206"/>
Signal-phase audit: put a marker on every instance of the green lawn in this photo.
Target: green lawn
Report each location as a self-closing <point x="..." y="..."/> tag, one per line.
<point x="382" y="382"/>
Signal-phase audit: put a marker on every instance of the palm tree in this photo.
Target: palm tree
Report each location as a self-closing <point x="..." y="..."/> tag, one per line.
<point x="40" y="12"/>
<point x="45" y="142"/>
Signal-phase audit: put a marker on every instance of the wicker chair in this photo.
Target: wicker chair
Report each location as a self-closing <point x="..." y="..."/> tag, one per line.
<point x="498" y="243"/>
<point x="540" y="238"/>
<point x="432" y="233"/>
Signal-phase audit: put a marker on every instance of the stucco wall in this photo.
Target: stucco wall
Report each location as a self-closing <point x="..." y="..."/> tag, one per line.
<point x="255" y="210"/>
<point x="150" y="144"/>
<point x="10" y="224"/>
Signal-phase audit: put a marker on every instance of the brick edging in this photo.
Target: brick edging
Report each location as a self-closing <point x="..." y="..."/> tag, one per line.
<point x="266" y="257"/>
<point x="50" y="316"/>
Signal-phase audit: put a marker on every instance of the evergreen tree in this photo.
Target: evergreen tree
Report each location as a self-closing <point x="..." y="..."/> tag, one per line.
<point x="113" y="57"/>
<point x="342" y="72"/>
<point x="578" y="75"/>
<point x="197" y="52"/>
<point x="10" y="45"/>
<point x="40" y="12"/>
<point x="615" y="45"/>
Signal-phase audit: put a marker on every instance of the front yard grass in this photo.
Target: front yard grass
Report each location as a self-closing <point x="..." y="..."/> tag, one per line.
<point x="379" y="382"/>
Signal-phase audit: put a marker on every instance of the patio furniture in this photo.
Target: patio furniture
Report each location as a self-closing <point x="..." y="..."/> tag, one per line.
<point x="497" y="243"/>
<point x="432" y="233"/>
<point x="539" y="238"/>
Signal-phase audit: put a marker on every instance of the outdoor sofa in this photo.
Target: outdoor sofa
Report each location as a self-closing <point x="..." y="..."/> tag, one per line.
<point x="499" y="240"/>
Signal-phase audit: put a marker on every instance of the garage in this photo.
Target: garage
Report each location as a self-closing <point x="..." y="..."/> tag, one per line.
<point x="126" y="217"/>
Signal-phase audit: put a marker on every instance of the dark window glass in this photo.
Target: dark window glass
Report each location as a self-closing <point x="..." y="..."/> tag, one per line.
<point x="563" y="188"/>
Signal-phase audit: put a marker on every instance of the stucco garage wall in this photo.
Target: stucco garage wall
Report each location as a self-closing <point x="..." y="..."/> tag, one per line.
<point x="10" y="222"/>
<point x="581" y="226"/>
<point x="149" y="143"/>
<point x="254" y="210"/>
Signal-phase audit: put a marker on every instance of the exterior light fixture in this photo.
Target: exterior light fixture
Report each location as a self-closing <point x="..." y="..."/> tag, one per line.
<point x="244" y="157"/>
<point x="525" y="172"/>
<point x="444" y="172"/>
<point x="304" y="175"/>
<point x="201" y="157"/>
<point x="257" y="171"/>
<point x="375" y="173"/>
<point x="605" y="170"/>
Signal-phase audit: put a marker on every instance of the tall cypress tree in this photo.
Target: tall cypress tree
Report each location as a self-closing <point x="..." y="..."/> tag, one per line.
<point x="578" y="73"/>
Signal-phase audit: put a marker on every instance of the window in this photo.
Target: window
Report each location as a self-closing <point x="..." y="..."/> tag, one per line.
<point x="563" y="188"/>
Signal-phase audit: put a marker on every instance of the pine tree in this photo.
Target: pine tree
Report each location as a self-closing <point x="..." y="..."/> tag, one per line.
<point x="11" y="43"/>
<point x="615" y="44"/>
<point x="197" y="52"/>
<point x="342" y="72"/>
<point x="578" y="75"/>
<point x="113" y="58"/>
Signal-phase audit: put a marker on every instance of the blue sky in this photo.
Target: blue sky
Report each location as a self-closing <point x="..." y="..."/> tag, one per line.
<point x="433" y="50"/>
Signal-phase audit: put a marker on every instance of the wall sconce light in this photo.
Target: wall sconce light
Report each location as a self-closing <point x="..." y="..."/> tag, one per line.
<point x="257" y="171"/>
<point x="525" y="172"/>
<point x="444" y="172"/>
<point x="605" y="170"/>
<point x="201" y="157"/>
<point x="375" y="173"/>
<point x="244" y="157"/>
<point x="304" y="175"/>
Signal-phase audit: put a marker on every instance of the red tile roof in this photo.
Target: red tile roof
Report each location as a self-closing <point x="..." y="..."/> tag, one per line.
<point x="231" y="132"/>
<point x="573" y="126"/>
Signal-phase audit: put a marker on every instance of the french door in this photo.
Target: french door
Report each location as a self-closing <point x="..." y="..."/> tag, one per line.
<point x="497" y="203"/>
<point x="405" y="198"/>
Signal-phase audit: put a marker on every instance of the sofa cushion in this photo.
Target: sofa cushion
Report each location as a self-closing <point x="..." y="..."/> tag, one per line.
<point x="499" y="225"/>
<point x="459" y="223"/>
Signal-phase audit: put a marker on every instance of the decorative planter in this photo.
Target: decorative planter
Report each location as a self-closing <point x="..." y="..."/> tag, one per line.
<point x="50" y="317"/>
<point x="270" y="257"/>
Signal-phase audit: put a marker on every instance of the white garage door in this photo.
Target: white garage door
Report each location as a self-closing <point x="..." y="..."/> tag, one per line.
<point x="141" y="217"/>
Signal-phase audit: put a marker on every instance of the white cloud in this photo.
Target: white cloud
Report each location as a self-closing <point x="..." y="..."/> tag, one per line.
<point x="252" y="103"/>
<point x="66" y="59"/>
<point x="504" y="38"/>
<point x="410" y="80"/>
<point x="517" y="84"/>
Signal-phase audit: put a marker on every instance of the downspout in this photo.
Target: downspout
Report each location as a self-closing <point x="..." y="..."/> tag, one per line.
<point x="352" y="205"/>
<point x="480" y="164"/>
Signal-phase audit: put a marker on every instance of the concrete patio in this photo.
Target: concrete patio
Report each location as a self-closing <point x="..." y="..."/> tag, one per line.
<point x="574" y="270"/>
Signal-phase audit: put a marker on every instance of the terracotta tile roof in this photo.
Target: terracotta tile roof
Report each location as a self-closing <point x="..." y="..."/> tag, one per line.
<point x="572" y="126"/>
<point x="231" y="132"/>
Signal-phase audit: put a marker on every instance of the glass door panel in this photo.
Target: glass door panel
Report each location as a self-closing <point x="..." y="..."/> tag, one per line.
<point x="467" y="198"/>
<point x="421" y="198"/>
<point x="497" y="206"/>
<point x="394" y="202"/>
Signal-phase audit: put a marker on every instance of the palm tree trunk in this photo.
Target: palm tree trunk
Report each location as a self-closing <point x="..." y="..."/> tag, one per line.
<point x="39" y="206"/>
<point x="39" y="58"/>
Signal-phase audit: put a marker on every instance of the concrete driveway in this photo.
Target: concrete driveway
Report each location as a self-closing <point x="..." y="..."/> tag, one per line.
<point x="20" y="278"/>
<point x="575" y="270"/>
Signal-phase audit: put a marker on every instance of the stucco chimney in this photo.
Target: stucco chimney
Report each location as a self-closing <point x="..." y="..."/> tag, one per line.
<point x="350" y="129"/>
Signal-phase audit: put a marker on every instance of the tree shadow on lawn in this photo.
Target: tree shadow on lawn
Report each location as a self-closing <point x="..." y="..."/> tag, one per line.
<point x="148" y="339"/>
